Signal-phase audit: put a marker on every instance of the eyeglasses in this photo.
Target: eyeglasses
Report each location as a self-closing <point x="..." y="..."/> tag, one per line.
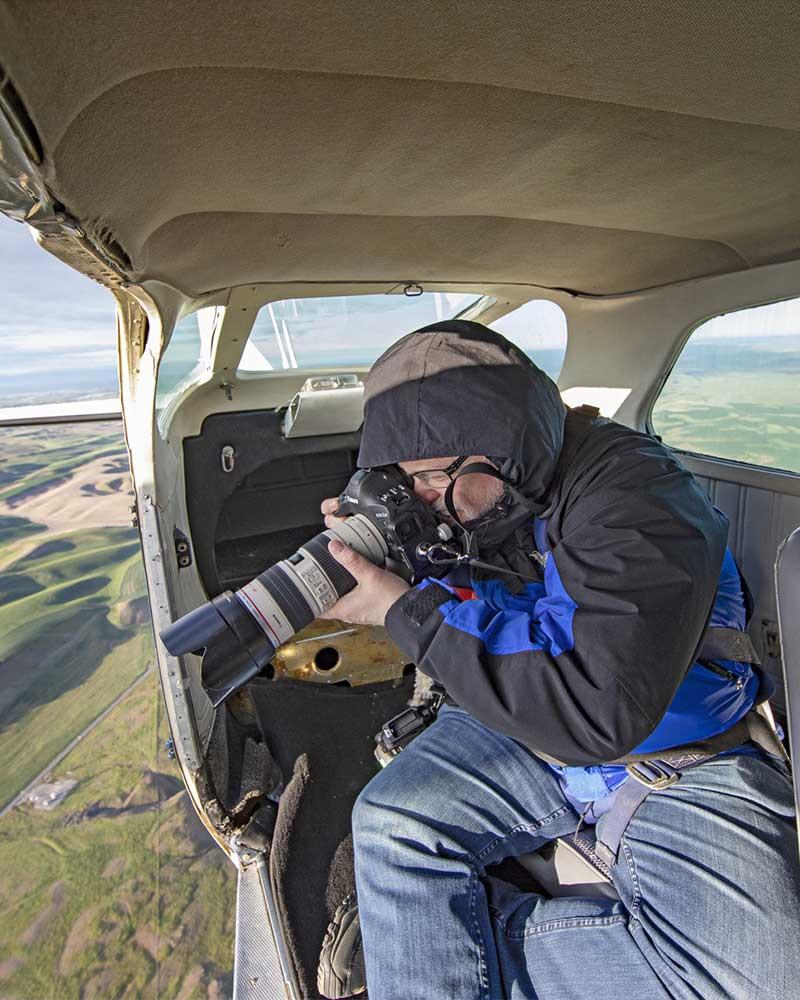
<point x="439" y="479"/>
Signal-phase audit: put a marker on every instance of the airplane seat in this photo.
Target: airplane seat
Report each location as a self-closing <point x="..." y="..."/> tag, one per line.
<point x="564" y="868"/>
<point x="787" y="592"/>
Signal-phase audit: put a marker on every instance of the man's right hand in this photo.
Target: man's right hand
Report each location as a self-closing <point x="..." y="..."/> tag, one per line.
<point x="329" y="508"/>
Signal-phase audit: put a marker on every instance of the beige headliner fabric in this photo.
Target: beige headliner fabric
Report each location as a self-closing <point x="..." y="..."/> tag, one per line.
<point x="599" y="147"/>
<point x="378" y="248"/>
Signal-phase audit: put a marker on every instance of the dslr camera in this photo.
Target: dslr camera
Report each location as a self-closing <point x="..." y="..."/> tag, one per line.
<point x="240" y="631"/>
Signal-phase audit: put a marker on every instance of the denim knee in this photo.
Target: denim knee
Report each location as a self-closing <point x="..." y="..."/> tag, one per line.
<point x="364" y="819"/>
<point x="387" y="818"/>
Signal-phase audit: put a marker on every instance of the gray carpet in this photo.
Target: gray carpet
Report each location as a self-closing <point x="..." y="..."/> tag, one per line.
<point x="322" y="739"/>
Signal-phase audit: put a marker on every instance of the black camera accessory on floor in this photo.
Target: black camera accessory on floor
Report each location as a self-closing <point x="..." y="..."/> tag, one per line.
<point x="400" y="730"/>
<point x="240" y="631"/>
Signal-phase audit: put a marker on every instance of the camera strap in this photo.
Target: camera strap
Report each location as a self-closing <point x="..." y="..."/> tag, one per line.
<point x="441" y="554"/>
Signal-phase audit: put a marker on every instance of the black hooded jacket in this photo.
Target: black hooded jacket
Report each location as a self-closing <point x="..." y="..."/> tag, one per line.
<point x="635" y="549"/>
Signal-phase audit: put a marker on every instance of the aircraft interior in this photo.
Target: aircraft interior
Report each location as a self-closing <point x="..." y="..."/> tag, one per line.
<point x="208" y="168"/>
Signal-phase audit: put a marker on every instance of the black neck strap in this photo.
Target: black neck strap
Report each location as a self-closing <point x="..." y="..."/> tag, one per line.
<point x="482" y="467"/>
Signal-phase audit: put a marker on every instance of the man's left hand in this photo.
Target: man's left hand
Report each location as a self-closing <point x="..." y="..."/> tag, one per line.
<point x="375" y="592"/>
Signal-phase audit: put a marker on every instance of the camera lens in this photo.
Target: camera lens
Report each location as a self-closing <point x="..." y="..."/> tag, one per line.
<point x="240" y="631"/>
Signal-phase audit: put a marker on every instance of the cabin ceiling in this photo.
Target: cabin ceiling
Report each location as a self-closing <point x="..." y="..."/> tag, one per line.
<point x="600" y="147"/>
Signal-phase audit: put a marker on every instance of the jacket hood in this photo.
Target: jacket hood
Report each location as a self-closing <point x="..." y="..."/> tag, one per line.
<point x="459" y="388"/>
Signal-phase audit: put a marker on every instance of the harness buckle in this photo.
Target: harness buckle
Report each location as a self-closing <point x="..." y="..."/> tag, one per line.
<point x="653" y="774"/>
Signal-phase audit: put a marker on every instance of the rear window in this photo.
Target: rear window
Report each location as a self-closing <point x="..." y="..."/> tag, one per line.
<point x="540" y="328"/>
<point x="341" y="330"/>
<point x="733" y="391"/>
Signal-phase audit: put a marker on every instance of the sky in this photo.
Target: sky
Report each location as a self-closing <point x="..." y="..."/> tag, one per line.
<point x="779" y="319"/>
<point x="47" y="309"/>
<point x="57" y="327"/>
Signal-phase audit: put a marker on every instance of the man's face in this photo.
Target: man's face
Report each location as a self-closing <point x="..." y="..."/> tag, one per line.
<point x="474" y="494"/>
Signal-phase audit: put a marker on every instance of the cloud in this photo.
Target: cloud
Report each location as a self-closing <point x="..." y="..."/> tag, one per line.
<point x="46" y="304"/>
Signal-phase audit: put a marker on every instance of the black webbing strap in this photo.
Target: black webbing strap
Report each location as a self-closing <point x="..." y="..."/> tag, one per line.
<point x="615" y="822"/>
<point x="727" y="644"/>
<point x="727" y="740"/>
<point x="652" y="775"/>
<point x="484" y="468"/>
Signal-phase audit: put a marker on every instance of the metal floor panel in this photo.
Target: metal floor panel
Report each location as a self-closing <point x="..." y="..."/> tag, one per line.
<point x="258" y="973"/>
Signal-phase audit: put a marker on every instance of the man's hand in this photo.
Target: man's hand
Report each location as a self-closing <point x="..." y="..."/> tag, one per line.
<point x="375" y="592"/>
<point x="329" y="508"/>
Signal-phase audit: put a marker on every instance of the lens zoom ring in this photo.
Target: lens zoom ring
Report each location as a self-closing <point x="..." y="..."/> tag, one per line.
<point x="342" y="581"/>
<point x="287" y="596"/>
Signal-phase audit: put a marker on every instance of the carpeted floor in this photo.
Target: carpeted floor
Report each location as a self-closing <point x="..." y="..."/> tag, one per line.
<point x="322" y="738"/>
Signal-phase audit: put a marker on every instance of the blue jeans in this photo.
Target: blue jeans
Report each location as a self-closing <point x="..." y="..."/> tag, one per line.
<point x="707" y="875"/>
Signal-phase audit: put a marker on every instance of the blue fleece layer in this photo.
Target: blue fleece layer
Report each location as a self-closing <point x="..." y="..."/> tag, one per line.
<point x="540" y="617"/>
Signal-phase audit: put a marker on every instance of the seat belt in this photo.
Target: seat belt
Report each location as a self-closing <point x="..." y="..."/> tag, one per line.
<point x="720" y="643"/>
<point x="654" y="774"/>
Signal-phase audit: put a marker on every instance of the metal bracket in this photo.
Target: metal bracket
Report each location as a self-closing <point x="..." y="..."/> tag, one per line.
<point x="770" y="639"/>
<point x="655" y="774"/>
<point x="183" y="550"/>
<point x="262" y="966"/>
<point x="227" y="458"/>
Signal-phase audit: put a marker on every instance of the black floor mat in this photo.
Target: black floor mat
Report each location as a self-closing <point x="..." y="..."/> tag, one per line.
<point x="323" y="740"/>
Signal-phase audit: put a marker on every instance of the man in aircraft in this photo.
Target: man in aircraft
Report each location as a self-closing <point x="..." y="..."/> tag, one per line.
<point x="608" y="628"/>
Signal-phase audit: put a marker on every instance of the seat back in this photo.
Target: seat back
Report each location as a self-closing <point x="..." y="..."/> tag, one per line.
<point x="787" y="590"/>
<point x="763" y="507"/>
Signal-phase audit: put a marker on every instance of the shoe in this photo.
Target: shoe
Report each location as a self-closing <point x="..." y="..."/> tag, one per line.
<point x="341" y="971"/>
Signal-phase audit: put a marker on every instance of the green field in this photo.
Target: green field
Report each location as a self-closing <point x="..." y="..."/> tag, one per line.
<point x="137" y="902"/>
<point x="33" y="460"/>
<point x="64" y="653"/>
<point x="746" y="409"/>
<point x="118" y="891"/>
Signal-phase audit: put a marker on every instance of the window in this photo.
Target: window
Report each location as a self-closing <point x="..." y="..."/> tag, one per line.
<point x="187" y="353"/>
<point x="733" y="392"/>
<point x="540" y="329"/>
<point x="342" y="330"/>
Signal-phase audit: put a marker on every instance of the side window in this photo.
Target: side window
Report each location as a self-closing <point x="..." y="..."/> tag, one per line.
<point x="540" y="329"/>
<point x="733" y="391"/>
<point x="187" y="353"/>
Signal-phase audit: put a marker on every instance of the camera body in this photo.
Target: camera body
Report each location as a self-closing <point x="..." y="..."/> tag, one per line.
<point x="385" y="496"/>
<point x="238" y="633"/>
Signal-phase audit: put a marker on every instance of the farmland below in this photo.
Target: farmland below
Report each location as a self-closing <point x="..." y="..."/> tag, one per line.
<point x="114" y="889"/>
